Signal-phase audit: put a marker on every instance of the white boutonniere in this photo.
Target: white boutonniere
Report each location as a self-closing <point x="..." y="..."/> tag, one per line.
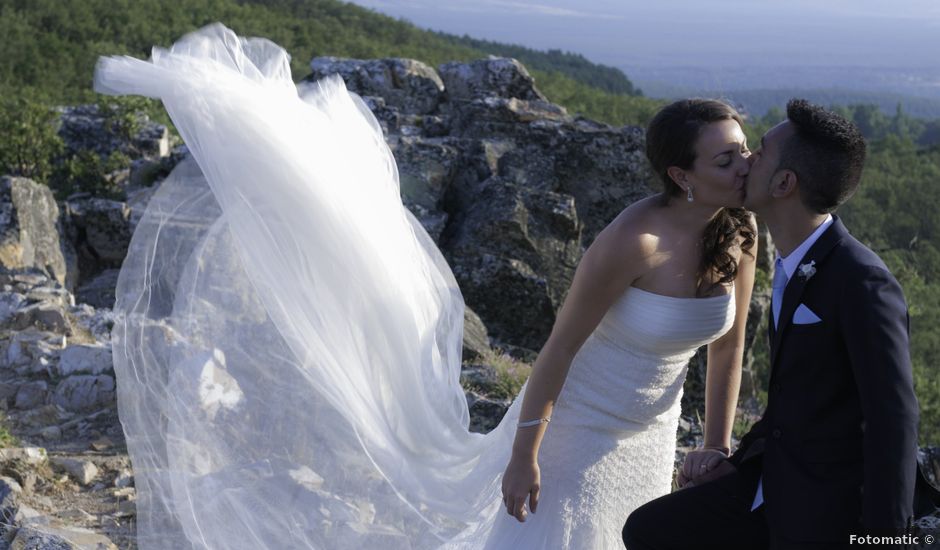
<point x="807" y="270"/>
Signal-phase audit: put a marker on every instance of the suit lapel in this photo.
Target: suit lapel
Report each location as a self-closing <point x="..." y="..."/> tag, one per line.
<point x="794" y="291"/>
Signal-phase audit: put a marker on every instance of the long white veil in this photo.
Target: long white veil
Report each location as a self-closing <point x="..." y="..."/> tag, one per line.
<point x="288" y="337"/>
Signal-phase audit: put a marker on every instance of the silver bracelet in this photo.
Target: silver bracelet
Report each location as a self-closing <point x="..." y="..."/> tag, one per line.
<point x="535" y="422"/>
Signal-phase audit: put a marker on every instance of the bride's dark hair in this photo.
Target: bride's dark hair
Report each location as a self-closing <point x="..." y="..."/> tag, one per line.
<point x="670" y="141"/>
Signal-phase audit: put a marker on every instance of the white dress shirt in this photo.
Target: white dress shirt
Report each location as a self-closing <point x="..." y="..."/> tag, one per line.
<point x="790" y="264"/>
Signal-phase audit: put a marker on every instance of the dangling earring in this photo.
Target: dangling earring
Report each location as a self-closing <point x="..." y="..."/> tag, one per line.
<point x="688" y="197"/>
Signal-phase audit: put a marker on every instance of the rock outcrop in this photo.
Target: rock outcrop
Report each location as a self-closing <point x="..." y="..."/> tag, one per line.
<point x="30" y="227"/>
<point x="510" y="185"/>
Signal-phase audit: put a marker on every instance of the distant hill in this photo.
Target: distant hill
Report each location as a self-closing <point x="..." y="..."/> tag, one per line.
<point x="758" y="102"/>
<point x="762" y="88"/>
<point x="610" y="79"/>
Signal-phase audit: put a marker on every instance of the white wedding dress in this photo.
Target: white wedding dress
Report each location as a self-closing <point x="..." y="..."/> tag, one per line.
<point x="287" y="342"/>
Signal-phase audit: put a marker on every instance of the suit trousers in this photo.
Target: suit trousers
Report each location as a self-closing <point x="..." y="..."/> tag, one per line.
<point x="714" y="515"/>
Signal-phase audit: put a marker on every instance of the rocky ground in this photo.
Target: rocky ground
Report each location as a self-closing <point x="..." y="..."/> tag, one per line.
<point x="64" y="470"/>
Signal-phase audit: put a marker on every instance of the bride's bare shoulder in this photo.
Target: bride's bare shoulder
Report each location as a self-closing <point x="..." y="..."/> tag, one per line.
<point x="633" y="233"/>
<point x="639" y="221"/>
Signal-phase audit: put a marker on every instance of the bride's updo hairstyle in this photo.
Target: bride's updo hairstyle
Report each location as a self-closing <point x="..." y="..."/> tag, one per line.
<point x="670" y="141"/>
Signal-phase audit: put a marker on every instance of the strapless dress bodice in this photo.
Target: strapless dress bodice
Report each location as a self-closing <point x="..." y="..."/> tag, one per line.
<point x="663" y="326"/>
<point x="629" y="372"/>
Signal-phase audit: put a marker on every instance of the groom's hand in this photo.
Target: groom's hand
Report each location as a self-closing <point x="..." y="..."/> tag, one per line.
<point x="702" y="465"/>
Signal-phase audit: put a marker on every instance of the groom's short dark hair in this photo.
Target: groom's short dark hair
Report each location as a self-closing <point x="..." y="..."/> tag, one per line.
<point x="826" y="152"/>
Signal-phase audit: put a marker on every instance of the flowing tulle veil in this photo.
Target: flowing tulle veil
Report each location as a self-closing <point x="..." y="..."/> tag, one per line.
<point x="287" y="338"/>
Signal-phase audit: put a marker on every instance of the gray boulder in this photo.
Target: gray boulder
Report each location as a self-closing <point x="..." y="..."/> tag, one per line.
<point x="99" y="290"/>
<point x="97" y="323"/>
<point x="28" y="455"/>
<point x="406" y="84"/>
<point x="37" y="535"/>
<point x="50" y="294"/>
<point x="46" y="316"/>
<point x="496" y="76"/>
<point x="29" y="349"/>
<point x="84" y="359"/>
<point x="10" y="302"/>
<point x="84" y="392"/>
<point x="425" y="169"/>
<point x="7" y="393"/>
<point x="84" y="471"/>
<point x="87" y="128"/>
<point x="9" y="489"/>
<point x="514" y="255"/>
<point x="476" y="340"/>
<point x="490" y="116"/>
<point x="29" y="228"/>
<point x="485" y="412"/>
<point x="100" y="228"/>
<point x="31" y="394"/>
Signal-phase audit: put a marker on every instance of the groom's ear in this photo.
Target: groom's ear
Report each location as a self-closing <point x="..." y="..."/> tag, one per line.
<point x="784" y="184"/>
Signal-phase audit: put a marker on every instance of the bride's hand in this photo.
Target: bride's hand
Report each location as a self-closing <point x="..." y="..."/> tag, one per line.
<point x="697" y="465"/>
<point x="520" y="482"/>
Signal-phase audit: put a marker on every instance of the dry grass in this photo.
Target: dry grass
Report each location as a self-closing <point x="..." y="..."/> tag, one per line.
<point x="511" y="374"/>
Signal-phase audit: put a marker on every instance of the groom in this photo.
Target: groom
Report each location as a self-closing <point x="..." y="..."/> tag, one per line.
<point x="835" y="451"/>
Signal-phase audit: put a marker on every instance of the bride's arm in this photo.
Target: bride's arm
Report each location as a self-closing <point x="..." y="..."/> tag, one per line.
<point x="608" y="267"/>
<point x="725" y="363"/>
<point x="723" y="377"/>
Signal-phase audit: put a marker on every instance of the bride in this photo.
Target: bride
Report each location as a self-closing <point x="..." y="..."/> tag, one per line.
<point x="287" y="336"/>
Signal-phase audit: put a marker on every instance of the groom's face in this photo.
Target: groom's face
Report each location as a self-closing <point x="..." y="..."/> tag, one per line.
<point x="764" y="162"/>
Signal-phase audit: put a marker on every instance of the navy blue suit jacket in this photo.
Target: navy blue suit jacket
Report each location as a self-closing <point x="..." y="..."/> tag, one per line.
<point x="838" y="439"/>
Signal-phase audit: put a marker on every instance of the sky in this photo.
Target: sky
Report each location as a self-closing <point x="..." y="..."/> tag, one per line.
<point x="715" y="33"/>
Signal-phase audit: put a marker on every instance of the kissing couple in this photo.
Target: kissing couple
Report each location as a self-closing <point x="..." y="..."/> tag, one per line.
<point x="288" y="367"/>
<point x="834" y="453"/>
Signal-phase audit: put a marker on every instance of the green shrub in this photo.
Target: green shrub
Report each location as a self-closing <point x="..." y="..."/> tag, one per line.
<point x="29" y="142"/>
<point x="31" y="147"/>
<point x="6" y="438"/>
<point x="86" y="171"/>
